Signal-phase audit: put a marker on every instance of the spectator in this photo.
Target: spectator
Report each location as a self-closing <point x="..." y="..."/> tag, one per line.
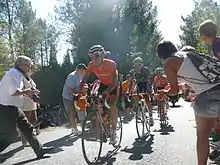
<point x="72" y="85"/>
<point x="113" y="57"/>
<point x="29" y="106"/>
<point x="12" y="90"/>
<point x="178" y="65"/>
<point x="208" y="31"/>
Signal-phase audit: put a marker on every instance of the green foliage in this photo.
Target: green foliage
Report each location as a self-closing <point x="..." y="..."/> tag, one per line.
<point x="204" y="9"/>
<point x="124" y="27"/>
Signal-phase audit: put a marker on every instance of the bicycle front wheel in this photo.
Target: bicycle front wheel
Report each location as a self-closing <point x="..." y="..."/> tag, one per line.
<point x="92" y="139"/>
<point x="118" y="131"/>
<point x="140" y="122"/>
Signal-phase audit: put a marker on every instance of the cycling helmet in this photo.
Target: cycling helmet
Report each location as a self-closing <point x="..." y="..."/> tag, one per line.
<point x="128" y="76"/>
<point x="159" y="71"/>
<point x="96" y="49"/>
<point x="188" y="49"/>
<point x="138" y="61"/>
<point x="107" y="54"/>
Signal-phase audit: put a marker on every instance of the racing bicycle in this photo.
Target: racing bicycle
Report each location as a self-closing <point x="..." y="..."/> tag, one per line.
<point x="97" y="129"/>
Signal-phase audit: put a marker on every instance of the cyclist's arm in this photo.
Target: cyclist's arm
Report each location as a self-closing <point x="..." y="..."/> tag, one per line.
<point x="87" y="74"/>
<point x="114" y="78"/>
<point x="133" y="80"/>
<point x="172" y="78"/>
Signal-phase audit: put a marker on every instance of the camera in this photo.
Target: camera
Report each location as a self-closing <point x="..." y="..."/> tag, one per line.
<point x="35" y="98"/>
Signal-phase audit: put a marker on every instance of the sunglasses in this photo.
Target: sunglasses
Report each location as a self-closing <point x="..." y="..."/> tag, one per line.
<point x="93" y="56"/>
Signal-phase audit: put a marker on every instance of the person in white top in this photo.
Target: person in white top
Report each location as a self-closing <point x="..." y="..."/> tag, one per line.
<point x="206" y="103"/>
<point x="29" y="106"/>
<point x="11" y="93"/>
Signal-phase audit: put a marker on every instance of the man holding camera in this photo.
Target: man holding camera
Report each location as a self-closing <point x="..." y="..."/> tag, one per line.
<point x="12" y="90"/>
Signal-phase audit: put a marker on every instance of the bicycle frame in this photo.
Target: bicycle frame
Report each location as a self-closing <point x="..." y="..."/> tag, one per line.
<point x="100" y="102"/>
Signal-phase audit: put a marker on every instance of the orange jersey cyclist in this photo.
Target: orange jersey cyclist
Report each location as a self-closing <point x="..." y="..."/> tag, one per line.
<point x="160" y="80"/>
<point x="106" y="71"/>
<point x="142" y="76"/>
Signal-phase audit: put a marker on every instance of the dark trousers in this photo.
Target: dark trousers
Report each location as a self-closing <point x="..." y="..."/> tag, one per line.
<point x="10" y="117"/>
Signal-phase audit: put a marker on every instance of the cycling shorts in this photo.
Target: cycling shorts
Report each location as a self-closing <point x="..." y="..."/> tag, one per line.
<point x="103" y="87"/>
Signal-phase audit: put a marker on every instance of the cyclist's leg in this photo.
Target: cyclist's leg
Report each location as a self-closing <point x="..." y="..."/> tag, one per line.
<point x="113" y="108"/>
<point x="81" y="116"/>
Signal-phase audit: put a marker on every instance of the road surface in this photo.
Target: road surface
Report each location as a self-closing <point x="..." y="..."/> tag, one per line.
<point x="174" y="145"/>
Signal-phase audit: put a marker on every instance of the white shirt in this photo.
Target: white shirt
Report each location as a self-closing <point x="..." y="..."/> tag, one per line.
<point x="10" y="83"/>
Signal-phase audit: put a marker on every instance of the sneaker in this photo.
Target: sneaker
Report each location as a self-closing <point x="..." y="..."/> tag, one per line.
<point x="151" y="121"/>
<point x="43" y="151"/>
<point x="76" y="132"/>
<point x="25" y="144"/>
<point x="215" y="145"/>
<point x="113" y="137"/>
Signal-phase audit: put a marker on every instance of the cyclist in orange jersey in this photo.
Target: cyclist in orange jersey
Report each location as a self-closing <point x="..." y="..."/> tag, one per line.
<point x="160" y="83"/>
<point x="106" y="71"/>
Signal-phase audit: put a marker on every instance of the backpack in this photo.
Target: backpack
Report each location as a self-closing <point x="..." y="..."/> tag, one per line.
<point x="208" y="66"/>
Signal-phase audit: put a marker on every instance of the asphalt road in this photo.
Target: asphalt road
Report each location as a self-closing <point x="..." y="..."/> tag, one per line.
<point x="173" y="145"/>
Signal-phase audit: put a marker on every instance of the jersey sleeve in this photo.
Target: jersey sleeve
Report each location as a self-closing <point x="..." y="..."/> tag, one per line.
<point x="155" y="79"/>
<point x="113" y="67"/>
<point x="15" y="82"/>
<point x="147" y="74"/>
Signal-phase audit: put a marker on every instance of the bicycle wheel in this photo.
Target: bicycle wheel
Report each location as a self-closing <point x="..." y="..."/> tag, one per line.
<point x="159" y="109"/>
<point x="140" y="122"/>
<point x="118" y="131"/>
<point x="92" y="139"/>
<point x="163" y="116"/>
<point x="147" y="118"/>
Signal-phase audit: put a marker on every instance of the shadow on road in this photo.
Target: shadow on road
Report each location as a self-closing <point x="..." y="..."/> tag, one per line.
<point x="175" y="106"/>
<point x="139" y="148"/>
<point x="124" y="117"/>
<point x="9" y="154"/>
<point x="30" y="160"/>
<point x="165" y="130"/>
<point x="108" y="159"/>
<point x="67" y="140"/>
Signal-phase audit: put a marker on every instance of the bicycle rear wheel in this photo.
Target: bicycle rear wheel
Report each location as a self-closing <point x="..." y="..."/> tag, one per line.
<point x="163" y="116"/>
<point x="92" y="139"/>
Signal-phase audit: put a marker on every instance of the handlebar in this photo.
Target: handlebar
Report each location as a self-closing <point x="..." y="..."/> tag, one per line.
<point x="101" y="97"/>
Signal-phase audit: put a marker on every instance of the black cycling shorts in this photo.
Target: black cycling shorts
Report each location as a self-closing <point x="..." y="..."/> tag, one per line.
<point x="103" y="87"/>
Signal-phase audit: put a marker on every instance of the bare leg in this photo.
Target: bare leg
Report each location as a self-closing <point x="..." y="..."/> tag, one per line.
<point x="204" y="128"/>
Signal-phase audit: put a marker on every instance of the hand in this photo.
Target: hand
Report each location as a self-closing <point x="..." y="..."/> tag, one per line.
<point x="30" y="92"/>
